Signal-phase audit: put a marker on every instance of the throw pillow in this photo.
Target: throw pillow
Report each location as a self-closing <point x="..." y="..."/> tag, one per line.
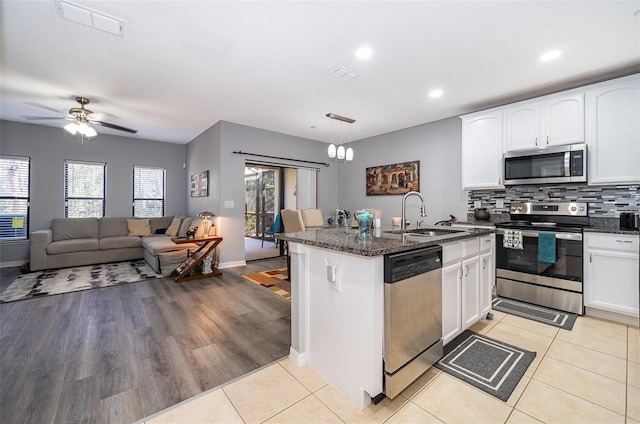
<point x="139" y="227"/>
<point x="198" y="222"/>
<point x="174" y="227"/>
<point x="185" y="226"/>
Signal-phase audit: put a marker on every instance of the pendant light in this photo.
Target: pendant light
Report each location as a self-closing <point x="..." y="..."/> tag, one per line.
<point x="340" y="152"/>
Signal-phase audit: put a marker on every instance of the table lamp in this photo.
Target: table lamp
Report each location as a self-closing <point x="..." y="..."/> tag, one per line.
<point x="206" y="215"/>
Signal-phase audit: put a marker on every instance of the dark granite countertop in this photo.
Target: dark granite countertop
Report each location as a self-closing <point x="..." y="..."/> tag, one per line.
<point x="607" y="225"/>
<point x="384" y="240"/>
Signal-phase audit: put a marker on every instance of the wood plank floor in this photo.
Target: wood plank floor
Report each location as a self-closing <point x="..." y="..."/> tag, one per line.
<point x="119" y="354"/>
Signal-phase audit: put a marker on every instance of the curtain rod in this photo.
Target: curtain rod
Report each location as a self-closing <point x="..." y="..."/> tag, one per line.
<point x="240" y="152"/>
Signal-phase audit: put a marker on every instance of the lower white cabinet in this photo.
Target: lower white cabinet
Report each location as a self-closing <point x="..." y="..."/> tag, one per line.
<point x="467" y="282"/>
<point x="611" y="273"/>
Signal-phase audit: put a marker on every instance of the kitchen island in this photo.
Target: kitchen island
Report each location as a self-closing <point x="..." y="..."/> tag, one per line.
<point x="337" y="287"/>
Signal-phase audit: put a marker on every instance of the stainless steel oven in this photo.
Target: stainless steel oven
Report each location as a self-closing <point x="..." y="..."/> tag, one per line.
<point x="526" y="272"/>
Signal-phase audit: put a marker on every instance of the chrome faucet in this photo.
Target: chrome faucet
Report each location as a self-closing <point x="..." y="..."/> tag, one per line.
<point x="423" y="211"/>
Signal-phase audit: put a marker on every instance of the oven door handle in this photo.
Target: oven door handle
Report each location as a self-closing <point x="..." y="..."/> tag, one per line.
<point x="561" y="236"/>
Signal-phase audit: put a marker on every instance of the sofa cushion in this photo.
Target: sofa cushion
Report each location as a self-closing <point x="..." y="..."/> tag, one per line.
<point x="113" y="227"/>
<point x="185" y="226"/>
<point x="72" y="246"/>
<point x="74" y="228"/>
<point x="157" y="244"/>
<point x="174" y="227"/>
<point x="120" y="242"/>
<point x="139" y="227"/>
<point x="159" y="222"/>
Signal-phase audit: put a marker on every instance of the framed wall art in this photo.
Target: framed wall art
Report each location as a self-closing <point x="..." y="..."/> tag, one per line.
<point x="397" y="178"/>
<point x="200" y="184"/>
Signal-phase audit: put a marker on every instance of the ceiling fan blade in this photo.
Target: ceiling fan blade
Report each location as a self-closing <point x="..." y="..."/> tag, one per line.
<point x="43" y="118"/>
<point x="41" y="106"/>
<point x="98" y="116"/>
<point x="114" y="126"/>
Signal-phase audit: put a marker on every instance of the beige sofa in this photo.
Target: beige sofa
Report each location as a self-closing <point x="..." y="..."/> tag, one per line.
<point x="85" y="241"/>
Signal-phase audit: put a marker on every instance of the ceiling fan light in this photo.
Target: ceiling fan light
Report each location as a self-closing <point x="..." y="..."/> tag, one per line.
<point x="72" y="128"/>
<point x="90" y="132"/>
<point x="331" y="151"/>
<point x="341" y="152"/>
<point x="349" y="154"/>
<point x="82" y="128"/>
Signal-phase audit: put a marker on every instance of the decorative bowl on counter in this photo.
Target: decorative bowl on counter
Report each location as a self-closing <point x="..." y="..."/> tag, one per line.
<point x="481" y="214"/>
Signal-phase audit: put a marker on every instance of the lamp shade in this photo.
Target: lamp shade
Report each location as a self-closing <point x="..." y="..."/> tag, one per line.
<point x="71" y="128"/>
<point x="341" y="152"/>
<point x="331" y="151"/>
<point x="349" y="154"/>
<point x="206" y="214"/>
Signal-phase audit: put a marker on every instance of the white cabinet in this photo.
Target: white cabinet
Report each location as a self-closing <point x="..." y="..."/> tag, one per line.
<point x="482" y="148"/>
<point x="487" y="273"/>
<point x="462" y="297"/>
<point x="556" y="120"/>
<point x="611" y="273"/>
<point x="613" y="131"/>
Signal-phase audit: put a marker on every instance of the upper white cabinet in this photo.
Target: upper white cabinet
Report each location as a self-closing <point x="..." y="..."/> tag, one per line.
<point x="482" y="148"/>
<point x="556" y="120"/>
<point x="613" y="131"/>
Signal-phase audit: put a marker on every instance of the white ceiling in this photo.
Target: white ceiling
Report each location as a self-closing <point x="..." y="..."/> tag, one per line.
<point x="182" y="66"/>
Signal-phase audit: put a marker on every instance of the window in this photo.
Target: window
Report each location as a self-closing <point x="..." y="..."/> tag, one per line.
<point x="148" y="191"/>
<point x="84" y="189"/>
<point x="14" y="197"/>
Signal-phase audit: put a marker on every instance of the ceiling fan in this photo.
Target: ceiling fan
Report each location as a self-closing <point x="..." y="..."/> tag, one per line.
<point x="82" y="118"/>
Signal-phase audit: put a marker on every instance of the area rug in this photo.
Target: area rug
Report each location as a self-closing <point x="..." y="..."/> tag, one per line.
<point x="66" y="280"/>
<point x="274" y="280"/>
<point x="564" y="320"/>
<point x="488" y="364"/>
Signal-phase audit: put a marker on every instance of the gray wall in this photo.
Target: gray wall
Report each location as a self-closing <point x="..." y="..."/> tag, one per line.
<point x="213" y="150"/>
<point x="436" y="145"/>
<point x="48" y="147"/>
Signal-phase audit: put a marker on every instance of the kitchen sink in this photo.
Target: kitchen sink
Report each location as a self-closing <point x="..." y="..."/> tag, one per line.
<point x="425" y="232"/>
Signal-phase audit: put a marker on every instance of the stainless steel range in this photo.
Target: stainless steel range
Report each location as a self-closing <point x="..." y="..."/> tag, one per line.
<point x="539" y="254"/>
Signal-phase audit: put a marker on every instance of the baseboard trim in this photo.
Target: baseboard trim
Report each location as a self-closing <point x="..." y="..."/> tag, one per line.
<point x="299" y="359"/>
<point x="11" y="264"/>
<point x="224" y="265"/>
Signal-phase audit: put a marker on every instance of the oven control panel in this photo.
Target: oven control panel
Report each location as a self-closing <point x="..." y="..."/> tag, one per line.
<point x="546" y="208"/>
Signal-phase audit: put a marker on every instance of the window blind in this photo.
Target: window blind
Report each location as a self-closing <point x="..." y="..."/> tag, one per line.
<point x="14" y="197"/>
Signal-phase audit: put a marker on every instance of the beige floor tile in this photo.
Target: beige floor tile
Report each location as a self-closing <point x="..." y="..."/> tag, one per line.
<point x="309" y="409"/>
<point x="518" y="390"/>
<point x="518" y="417"/>
<point x="527" y="324"/>
<point x="595" y="341"/>
<point x="412" y="414"/>
<point x="265" y="393"/>
<point x="630" y="421"/>
<point x="484" y="325"/>
<point x="551" y="405"/>
<point x="420" y="383"/>
<point x="589" y="359"/>
<point x="213" y="407"/>
<point x="633" y="403"/>
<point x="350" y="413"/>
<point x="590" y="386"/>
<point x="523" y="339"/>
<point x="305" y="375"/>
<point x="633" y="374"/>
<point x="634" y="352"/>
<point x="633" y="334"/>
<point x="590" y="325"/>
<point x="454" y="401"/>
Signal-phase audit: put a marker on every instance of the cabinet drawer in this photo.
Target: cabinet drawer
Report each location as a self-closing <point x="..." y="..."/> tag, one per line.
<point x="471" y="247"/>
<point x="619" y="242"/>
<point x="485" y="243"/>
<point x="451" y="252"/>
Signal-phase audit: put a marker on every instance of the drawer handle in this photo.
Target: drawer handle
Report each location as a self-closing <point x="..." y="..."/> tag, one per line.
<point x="624" y="241"/>
<point x="484" y="263"/>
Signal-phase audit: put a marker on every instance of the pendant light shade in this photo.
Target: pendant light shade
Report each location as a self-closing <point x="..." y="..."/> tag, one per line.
<point x="341" y="152"/>
<point x="349" y="154"/>
<point x="332" y="151"/>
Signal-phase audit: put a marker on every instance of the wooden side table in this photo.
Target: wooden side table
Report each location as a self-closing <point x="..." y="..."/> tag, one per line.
<point x="183" y="271"/>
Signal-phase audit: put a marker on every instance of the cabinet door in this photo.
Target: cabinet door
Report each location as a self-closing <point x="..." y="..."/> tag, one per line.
<point x="451" y="300"/>
<point x="486" y="282"/>
<point x="564" y="120"/>
<point x="470" y="291"/>
<point x="523" y="127"/>
<point x="611" y="282"/>
<point x="482" y="147"/>
<point x="613" y="132"/>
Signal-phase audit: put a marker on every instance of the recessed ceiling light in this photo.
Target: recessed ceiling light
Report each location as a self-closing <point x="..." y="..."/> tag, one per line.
<point x="364" y="53"/>
<point x="435" y="93"/>
<point x="554" y="54"/>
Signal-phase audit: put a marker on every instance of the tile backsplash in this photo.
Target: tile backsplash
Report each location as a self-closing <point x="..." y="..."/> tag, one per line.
<point x="604" y="201"/>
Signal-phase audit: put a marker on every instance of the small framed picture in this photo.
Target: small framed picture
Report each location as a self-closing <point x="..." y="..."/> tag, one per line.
<point x="200" y="184"/>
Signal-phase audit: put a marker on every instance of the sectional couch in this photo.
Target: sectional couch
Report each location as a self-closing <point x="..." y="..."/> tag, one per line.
<point x="85" y="241"/>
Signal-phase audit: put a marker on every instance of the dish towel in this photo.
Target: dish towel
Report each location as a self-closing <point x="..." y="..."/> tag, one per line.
<point x="547" y="247"/>
<point x="512" y="239"/>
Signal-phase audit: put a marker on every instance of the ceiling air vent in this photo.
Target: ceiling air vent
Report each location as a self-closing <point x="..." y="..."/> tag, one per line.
<point x="344" y="74"/>
<point x="89" y="17"/>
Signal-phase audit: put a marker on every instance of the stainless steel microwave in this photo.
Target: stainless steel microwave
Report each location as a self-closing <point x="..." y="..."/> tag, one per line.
<point x="560" y="164"/>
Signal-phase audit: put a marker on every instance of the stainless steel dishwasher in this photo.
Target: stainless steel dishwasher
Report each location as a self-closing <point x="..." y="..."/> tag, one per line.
<point x="412" y="316"/>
